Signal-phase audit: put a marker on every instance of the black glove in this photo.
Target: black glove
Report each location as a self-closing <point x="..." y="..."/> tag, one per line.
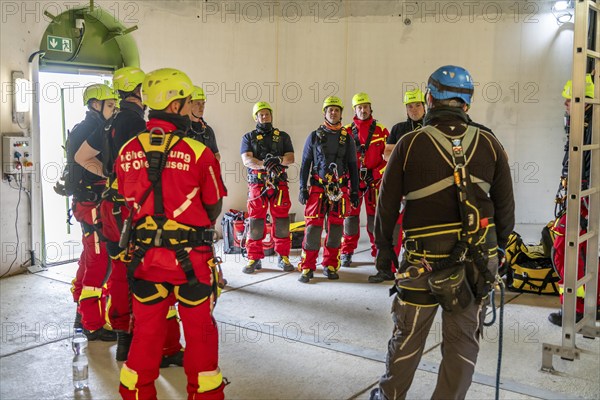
<point x="303" y="197"/>
<point x="369" y="178"/>
<point x="354" y="199"/>
<point x="385" y="258"/>
<point x="271" y="163"/>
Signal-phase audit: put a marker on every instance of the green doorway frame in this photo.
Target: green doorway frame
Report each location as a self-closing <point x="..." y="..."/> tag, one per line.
<point x="85" y="40"/>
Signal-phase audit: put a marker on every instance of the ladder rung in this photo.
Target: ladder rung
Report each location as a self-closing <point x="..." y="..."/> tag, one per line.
<point x="585" y="279"/>
<point x="587" y="192"/>
<point x="592" y="101"/>
<point x="589" y="147"/>
<point x="592" y="53"/>
<point x="586" y="236"/>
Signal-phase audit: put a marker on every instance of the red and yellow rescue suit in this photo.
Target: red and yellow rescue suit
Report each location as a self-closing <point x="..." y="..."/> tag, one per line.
<point x="558" y="255"/>
<point x="370" y="137"/>
<point x="267" y="193"/>
<point x="173" y="257"/>
<point x="329" y="158"/>
<point x="89" y="285"/>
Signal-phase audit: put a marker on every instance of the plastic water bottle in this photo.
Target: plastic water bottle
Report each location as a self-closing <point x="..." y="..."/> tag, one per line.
<point x="80" y="360"/>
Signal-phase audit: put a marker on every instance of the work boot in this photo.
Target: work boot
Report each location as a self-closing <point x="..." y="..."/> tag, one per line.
<point x="556" y="317"/>
<point x="330" y="273"/>
<point x="77" y="322"/>
<point x="173" y="359"/>
<point x="381" y="276"/>
<point x="307" y="275"/>
<point x="285" y="264"/>
<point x="376" y="395"/>
<point x="123" y="345"/>
<point x="253" y="265"/>
<point x="102" y="334"/>
<point x="346" y="260"/>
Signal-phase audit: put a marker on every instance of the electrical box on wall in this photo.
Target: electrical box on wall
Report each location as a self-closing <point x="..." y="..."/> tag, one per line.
<point x="17" y="156"/>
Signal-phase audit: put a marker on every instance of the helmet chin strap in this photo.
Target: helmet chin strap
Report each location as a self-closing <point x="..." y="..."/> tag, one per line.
<point x="181" y="105"/>
<point x="101" y="111"/>
<point x="196" y="116"/>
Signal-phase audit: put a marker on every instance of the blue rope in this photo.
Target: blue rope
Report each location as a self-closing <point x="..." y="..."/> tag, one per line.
<point x="500" y="337"/>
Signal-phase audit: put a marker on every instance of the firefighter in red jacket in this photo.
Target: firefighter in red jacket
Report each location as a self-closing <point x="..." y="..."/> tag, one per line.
<point x="127" y="82"/>
<point x="106" y="143"/>
<point x="329" y="159"/>
<point x="171" y="184"/>
<point x="266" y="152"/>
<point x="369" y="136"/>
<point x="88" y="285"/>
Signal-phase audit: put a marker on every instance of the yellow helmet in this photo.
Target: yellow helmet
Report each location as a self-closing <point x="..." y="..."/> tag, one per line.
<point x="567" y="92"/>
<point x="332" y="101"/>
<point x="198" y="93"/>
<point x="261" y="105"/>
<point x="126" y="79"/>
<point x="98" y="91"/>
<point x="414" y="96"/>
<point x="164" y="85"/>
<point x="360" y="98"/>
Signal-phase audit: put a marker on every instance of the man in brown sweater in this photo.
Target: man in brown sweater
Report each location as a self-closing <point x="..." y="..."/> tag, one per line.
<point x="454" y="224"/>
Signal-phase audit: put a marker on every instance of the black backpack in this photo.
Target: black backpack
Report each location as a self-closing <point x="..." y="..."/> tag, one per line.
<point x="227" y="223"/>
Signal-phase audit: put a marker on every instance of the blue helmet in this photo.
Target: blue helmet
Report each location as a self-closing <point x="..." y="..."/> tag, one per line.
<point x="450" y="82"/>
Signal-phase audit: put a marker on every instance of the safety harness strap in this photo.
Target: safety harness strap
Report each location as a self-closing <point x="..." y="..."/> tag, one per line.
<point x="473" y="228"/>
<point x="108" y="156"/>
<point x="444" y="146"/>
<point x="186" y="265"/>
<point x="258" y="145"/>
<point x="321" y="150"/>
<point x="442" y="185"/>
<point x="363" y="147"/>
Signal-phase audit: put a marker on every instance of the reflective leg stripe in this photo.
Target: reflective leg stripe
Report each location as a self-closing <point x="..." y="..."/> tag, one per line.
<point x="467" y="360"/>
<point x="561" y="290"/>
<point x="107" y="310"/>
<point x="209" y="380"/>
<point x="412" y="331"/>
<point x="129" y="378"/>
<point x="90" y="292"/>
<point x="172" y="312"/>
<point x="96" y="237"/>
<point x="96" y="243"/>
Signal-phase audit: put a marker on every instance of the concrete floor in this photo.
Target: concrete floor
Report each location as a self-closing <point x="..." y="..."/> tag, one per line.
<point x="280" y="339"/>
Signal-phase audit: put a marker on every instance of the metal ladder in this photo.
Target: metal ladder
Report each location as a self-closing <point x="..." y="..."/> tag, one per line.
<point x="587" y="14"/>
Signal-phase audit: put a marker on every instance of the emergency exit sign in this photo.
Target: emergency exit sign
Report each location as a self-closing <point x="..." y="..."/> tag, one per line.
<point x="58" y="43"/>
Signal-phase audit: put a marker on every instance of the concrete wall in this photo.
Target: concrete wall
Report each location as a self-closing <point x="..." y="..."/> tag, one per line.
<point x="293" y="54"/>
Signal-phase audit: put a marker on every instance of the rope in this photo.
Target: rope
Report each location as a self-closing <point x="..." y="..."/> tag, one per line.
<point x="500" y="283"/>
<point x="500" y="337"/>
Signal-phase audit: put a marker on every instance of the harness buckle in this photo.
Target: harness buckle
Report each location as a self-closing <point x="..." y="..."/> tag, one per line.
<point x="214" y="238"/>
<point x="158" y="237"/>
<point x="411" y="244"/>
<point x="363" y="173"/>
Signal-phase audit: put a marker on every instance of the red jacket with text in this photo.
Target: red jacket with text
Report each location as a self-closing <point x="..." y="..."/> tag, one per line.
<point x="191" y="179"/>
